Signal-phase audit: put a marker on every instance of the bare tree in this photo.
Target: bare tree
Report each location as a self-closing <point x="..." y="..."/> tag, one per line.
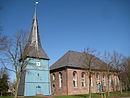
<point x="89" y="59"/>
<point x="114" y="62"/>
<point x="3" y="40"/>
<point x="14" y="56"/>
<point x="117" y="59"/>
<point x="126" y="72"/>
<point x="108" y="60"/>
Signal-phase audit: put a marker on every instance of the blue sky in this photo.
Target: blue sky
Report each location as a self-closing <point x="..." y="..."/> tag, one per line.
<point x="72" y="24"/>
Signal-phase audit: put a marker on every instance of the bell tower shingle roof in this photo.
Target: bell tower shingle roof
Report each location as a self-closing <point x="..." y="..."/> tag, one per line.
<point x="33" y="47"/>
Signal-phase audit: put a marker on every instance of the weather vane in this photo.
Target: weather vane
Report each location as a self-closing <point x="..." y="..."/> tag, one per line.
<point x="36" y="3"/>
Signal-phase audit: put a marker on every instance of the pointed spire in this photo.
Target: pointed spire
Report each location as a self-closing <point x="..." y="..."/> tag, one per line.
<point x="35" y="17"/>
<point x="33" y="47"/>
<point x="36" y="3"/>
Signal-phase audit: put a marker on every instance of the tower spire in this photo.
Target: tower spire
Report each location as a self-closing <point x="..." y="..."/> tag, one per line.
<point x="33" y="47"/>
<point x="35" y="17"/>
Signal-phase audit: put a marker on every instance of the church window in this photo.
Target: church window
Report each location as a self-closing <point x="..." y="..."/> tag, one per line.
<point x="115" y="80"/>
<point x="110" y="82"/>
<point x="54" y="77"/>
<point x="60" y="80"/>
<point x="97" y="76"/>
<point x="91" y="80"/>
<point x="83" y="79"/>
<point x="75" y="82"/>
<point x="104" y="80"/>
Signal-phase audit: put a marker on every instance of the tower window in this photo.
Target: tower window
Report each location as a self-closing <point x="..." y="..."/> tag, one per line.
<point x="75" y="82"/>
<point x="38" y="64"/>
<point x="38" y="86"/>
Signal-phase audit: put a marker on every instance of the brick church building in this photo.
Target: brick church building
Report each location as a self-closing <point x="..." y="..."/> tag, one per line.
<point x="69" y="76"/>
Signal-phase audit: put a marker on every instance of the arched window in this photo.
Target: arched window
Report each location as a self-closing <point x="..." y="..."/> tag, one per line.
<point x="110" y="82"/>
<point x="91" y="80"/>
<point x="98" y="76"/>
<point x="115" y="80"/>
<point x="75" y="82"/>
<point x="104" y="80"/>
<point x="83" y="79"/>
<point x="60" y="79"/>
<point x="54" y="77"/>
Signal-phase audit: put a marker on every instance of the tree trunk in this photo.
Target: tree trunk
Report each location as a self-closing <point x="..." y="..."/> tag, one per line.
<point x="121" y="86"/>
<point x="89" y="84"/>
<point x="17" y="85"/>
<point x="108" y="87"/>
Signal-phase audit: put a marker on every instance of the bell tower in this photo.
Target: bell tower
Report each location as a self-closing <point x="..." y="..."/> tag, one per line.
<point x="36" y="80"/>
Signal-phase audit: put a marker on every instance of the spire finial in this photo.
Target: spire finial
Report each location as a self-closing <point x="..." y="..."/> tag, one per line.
<point x="36" y="3"/>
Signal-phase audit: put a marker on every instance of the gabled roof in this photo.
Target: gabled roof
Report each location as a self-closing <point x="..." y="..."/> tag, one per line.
<point x="75" y="59"/>
<point x="33" y="47"/>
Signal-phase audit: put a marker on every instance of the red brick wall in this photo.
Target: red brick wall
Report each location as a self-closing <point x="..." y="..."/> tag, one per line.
<point x="67" y="82"/>
<point x="76" y="90"/>
<point x="63" y="89"/>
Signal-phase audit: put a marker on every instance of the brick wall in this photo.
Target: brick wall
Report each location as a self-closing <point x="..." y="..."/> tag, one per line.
<point x="67" y="82"/>
<point x="63" y="89"/>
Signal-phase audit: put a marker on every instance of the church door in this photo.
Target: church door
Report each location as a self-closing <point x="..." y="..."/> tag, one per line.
<point x="38" y="90"/>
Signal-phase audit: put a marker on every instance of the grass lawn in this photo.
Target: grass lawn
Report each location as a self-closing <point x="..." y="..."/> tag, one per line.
<point x="112" y="95"/>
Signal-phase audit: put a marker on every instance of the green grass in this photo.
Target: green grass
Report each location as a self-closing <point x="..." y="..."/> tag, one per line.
<point x="19" y="97"/>
<point x="114" y="94"/>
<point x="79" y="96"/>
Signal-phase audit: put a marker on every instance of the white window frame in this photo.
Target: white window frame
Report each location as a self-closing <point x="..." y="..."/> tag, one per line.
<point x="110" y="81"/>
<point x="38" y="64"/>
<point x="53" y="77"/>
<point x="60" y="80"/>
<point x="98" y="76"/>
<point x="115" y="80"/>
<point x="75" y="79"/>
<point x="104" y="80"/>
<point x="91" y="80"/>
<point x="83" y="79"/>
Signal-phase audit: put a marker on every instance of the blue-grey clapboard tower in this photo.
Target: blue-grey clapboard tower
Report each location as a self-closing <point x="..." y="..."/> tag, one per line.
<point x="36" y="79"/>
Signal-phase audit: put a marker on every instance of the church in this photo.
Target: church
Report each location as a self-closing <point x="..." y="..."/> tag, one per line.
<point x="67" y="76"/>
<point x="70" y="75"/>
